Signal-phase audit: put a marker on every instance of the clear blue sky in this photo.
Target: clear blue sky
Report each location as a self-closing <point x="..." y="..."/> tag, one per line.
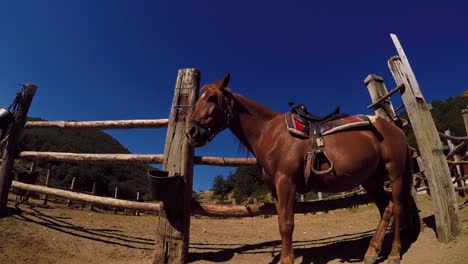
<point x="104" y="60"/>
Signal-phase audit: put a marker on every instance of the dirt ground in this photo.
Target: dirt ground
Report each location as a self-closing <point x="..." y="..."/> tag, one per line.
<point x="57" y="234"/>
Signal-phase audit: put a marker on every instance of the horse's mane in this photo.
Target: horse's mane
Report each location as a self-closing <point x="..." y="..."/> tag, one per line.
<point x="241" y="103"/>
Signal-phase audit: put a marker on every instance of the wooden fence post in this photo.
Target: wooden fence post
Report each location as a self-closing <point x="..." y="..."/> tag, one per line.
<point x="47" y="182"/>
<point x="377" y="89"/>
<point x="33" y="167"/>
<point x="93" y="191"/>
<point x="465" y="119"/>
<point x="136" y="212"/>
<point x="72" y="187"/>
<point x="431" y="150"/>
<point x="116" y="194"/>
<point x="10" y="152"/>
<point x="172" y="238"/>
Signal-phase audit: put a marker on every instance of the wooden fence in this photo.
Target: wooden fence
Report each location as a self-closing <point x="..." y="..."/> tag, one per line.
<point x="178" y="158"/>
<point x="432" y="159"/>
<point x="174" y="217"/>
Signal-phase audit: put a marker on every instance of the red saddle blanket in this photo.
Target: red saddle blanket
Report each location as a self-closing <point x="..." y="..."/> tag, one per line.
<point x="301" y="128"/>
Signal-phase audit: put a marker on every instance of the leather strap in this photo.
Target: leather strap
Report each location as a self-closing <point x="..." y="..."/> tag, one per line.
<point x="308" y="166"/>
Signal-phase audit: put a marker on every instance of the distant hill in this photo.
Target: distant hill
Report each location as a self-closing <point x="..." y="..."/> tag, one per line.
<point x="446" y="115"/>
<point x="129" y="178"/>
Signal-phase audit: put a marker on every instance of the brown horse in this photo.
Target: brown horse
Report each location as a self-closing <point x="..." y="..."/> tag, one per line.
<point x="366" y="156"/>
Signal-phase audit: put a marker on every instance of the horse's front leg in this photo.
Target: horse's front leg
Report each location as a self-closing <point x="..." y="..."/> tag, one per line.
<point x="284" y="202"/>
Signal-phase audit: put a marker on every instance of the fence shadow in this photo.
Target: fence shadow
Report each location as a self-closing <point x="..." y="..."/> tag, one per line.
<point x="61" y="224"/>
<point x="348" y="248"/>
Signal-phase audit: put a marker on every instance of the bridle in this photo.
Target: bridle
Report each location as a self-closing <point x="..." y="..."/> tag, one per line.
<point x="228" y="114"/>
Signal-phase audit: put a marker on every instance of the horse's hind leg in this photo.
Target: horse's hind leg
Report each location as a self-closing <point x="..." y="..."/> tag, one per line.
<point x="374" y="189"/>
<point x="284" y="202"/>
<point x="401" y="180"/>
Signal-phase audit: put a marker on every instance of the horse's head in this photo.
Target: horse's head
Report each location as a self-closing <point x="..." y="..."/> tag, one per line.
<point x="212" y="113"/>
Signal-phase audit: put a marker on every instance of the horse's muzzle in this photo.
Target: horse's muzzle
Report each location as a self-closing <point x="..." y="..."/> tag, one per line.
<point x="196" y="135"/>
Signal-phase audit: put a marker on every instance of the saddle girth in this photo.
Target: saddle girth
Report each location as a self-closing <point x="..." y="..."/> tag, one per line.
<point x="312" y="158"/>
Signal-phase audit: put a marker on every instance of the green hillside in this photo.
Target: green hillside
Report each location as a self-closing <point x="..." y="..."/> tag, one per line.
<point x="446" y="115"/>
<point x="129" y="178"/>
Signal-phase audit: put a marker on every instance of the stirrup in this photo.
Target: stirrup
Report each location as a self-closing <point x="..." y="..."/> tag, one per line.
<point x="321" y="172"/>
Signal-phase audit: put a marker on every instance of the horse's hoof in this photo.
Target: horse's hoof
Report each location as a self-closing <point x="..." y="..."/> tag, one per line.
<point x="393" y="260"/>
<point x="370" y="259"/>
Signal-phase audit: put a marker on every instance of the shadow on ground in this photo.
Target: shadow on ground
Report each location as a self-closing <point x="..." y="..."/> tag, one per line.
<point x="348" y="248"/>
<point x="64" y="225"/>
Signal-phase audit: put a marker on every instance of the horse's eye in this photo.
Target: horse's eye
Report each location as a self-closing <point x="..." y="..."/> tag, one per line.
<point x="212" y="99"/>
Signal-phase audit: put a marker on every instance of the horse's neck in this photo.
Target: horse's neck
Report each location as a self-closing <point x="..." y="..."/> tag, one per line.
<point x="250" y="121"/>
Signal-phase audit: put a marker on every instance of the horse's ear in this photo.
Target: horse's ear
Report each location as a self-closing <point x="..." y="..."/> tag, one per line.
<point x="226" y="80"/>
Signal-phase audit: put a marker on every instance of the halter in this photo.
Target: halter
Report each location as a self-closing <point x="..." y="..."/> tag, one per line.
<point x="228" y="113"/>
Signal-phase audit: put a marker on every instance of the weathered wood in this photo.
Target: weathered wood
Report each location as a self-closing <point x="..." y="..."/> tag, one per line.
<point x="93" y="191"/>
<point x="172" y="238"/>
<point x="72" y="187"/>
<point x="269" y="208"/>
<point x="92" y="158"/>
<point x="452" y="138"/>
<point x="47" y="182"/>
<point x="449" y="142"/>
<point x="460" y="179"/>
<point x="100" y="125"/>
<point x="465" y="119"/>
<point x="105" y="201"/>
<point x="399" y="88"/>
<point x="202" y="209"/>
<point x="431" y="150"/>
<point x="377" y="90"/>
<point x="10" y="149"/>
<point x="460" y="189"/>
<point x="129" y="158"/>
<point x="116" y="193"/>
<point x="32" y="168"/>
<point x="378" y="93"/>
<point x="456" y="158"/>
<point x="410" y="77"/>
<point x="460" y="162"/>
<point x="456" y="149"/>
<point x="224" y="162"/>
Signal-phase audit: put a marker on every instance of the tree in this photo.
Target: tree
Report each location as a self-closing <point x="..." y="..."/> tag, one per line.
<point x="218" y="185"/>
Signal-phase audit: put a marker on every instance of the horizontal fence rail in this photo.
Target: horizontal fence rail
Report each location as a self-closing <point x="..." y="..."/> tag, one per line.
<point x="93" y="158"/>
<point x="129" y="158"/>
<point x="110" y="124"/>
<point x="204" y="209"/>
<point x="106" y="201"/>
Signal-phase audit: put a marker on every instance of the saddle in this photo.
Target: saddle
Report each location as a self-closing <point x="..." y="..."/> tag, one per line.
<point x="302" y="124"/>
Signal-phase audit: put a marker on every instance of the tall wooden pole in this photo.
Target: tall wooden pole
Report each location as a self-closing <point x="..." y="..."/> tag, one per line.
<point x="172" y="238"/>
<point x="10" y="151"/>
<point x="430" y="147"/>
